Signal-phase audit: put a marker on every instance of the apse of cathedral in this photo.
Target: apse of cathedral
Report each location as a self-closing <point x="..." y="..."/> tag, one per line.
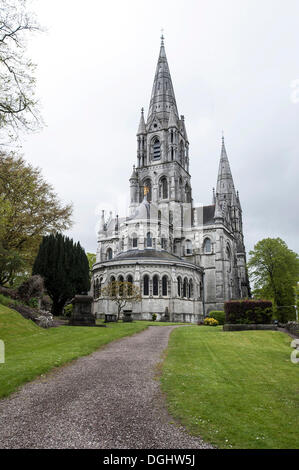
<point x="185" y="260"/>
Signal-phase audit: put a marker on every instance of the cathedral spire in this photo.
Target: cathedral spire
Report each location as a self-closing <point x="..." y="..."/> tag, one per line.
<point x="225" y="184"/>
<point x="162" y="98"/>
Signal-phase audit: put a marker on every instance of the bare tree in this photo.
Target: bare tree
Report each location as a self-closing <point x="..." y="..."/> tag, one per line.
<point x="122" y="293"/>
<point x="18" y="104"/>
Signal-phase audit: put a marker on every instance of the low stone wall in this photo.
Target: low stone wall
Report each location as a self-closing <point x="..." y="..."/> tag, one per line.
<point x="246" y="327"/>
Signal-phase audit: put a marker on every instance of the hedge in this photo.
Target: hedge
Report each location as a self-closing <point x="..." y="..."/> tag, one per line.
<point x="219" y="315"/>
<point x="248" y="311"/>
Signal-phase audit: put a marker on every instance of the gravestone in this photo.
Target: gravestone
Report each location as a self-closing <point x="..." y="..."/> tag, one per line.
<point x="81" y="315"/>
<point x="110" y="318"/>
<point x="127" y="316"/>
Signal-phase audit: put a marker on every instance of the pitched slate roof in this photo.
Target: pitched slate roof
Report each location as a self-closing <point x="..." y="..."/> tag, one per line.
<point x="208" y="214"/>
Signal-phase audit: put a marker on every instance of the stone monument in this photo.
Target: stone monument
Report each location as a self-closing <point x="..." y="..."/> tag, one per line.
<point x="81" y="315"/>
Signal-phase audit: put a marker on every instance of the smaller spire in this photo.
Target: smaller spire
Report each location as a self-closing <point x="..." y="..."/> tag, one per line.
<point x="225" y="184"/>
<point x="116" y="223"/>
<point x="141" y="128"/>
<point x="134" y="174"/>
<point x="102" y="225"/>
<point x="162" y="37"/>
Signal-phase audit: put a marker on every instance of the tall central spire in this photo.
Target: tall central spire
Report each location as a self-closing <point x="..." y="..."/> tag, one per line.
<point x="162" y="98"/>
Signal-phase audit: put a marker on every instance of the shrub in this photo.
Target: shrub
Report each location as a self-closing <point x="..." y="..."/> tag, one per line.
<point x="248" y="311"/>
<point x="68" y="310"/>
<point x="210" y="321"/>
<point x="219" y="315"/>
<point x="33" y="287"/>
<point x="46" y="303"/>
<point x="154" y="317"/>
<point x="33" y="302"/>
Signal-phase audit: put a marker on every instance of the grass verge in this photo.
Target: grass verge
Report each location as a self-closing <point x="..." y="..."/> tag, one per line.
<point x="234" y="389"/>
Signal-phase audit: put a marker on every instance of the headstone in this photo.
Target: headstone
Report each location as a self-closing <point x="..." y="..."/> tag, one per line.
<point x="127" y="316"/>
<point x="81" y="315"/>
<point x="110" y="317"/>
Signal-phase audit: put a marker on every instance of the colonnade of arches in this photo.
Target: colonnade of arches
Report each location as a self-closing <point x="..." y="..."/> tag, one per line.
<point x="153" y="285"/>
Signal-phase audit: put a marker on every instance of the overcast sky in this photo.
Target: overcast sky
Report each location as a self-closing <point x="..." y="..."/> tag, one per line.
<point x="234" y="66"/>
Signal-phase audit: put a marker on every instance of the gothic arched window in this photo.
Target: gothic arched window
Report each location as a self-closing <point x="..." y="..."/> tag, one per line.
<point x="156" y="149"/>
<point x="100" y="287"/>
<point x="156" y="285"/>
<point x="163" y="188"/>
<point x="109" y="253"/>
<point x="188" y="247"/>
<point x="146" y="285"/>
<point x="130" y="284"/>
<point x="113" y="286"/>
<point x="149" y="240"/>
<point x="185" y="287"/>
<point x="164" y="285"/>
<point x="207" y="246"/>
<point x="146" y="188"/>
<point x="179" y="287"/>
<point x="190" y="293"/>
<point x="134" y="240"/>
<point x="121" y="286"/>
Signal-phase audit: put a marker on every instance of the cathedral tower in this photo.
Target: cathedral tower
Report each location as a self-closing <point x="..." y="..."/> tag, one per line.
<point x="185" y="260"/>
<point x="162" y="144"/>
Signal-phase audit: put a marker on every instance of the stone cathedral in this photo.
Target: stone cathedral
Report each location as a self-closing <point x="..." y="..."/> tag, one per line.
<point x="186" y="260"/>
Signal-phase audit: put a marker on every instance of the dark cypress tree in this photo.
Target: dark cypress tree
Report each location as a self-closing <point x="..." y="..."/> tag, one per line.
<point x="64" y="266"/>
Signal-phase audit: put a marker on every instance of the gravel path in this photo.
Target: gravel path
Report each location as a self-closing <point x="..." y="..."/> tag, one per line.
<point x="107" y="400"/>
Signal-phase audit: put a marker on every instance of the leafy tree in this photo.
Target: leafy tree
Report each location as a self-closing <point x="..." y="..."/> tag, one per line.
<point x="64" y="266"/>
<point x="121" y="292"/>
<point x="91" y="260"/>
<point x="29" y="209"/>
<point x="274" y="269"/>
<point x="10" y="262"/>
<point x="18" y="105"/>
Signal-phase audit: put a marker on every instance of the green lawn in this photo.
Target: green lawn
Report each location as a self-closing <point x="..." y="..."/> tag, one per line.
<point x="31" y="351"/>
<point x="234" y="389"/>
